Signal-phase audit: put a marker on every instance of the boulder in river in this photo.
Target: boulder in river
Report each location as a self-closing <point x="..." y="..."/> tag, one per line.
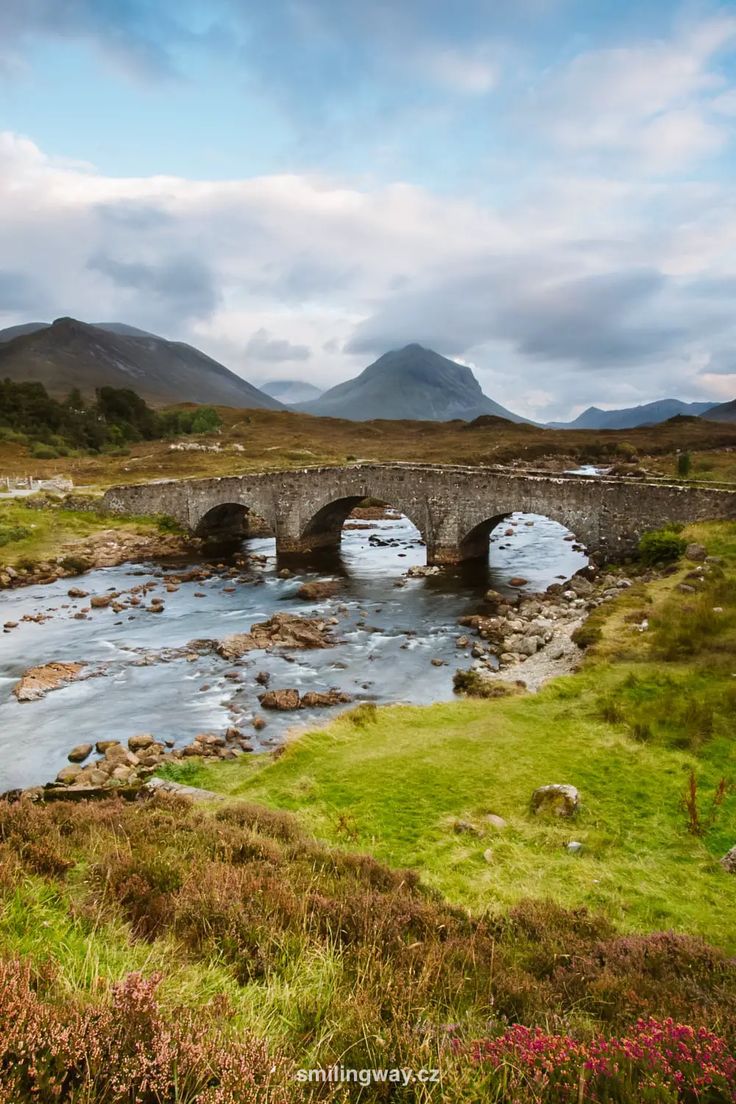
<point x="559" y="799"/>
<point x="318" y="589"/>
<point x="284" y="700"/>
<point x="37" y="681"/>
<point x="315" y="699"/>
<point x="79" y="753"/>
<point x="141" y="741"/>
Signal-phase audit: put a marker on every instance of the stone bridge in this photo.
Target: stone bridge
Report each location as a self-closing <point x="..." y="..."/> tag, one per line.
<point x="454" y="508"/>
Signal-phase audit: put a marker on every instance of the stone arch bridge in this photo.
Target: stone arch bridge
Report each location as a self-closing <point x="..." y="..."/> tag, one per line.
<point x="454" y="508"/>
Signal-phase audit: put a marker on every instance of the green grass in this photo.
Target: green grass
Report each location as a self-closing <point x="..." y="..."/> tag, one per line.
<point x="394" y="782"/>
<point x="37" y="534"/>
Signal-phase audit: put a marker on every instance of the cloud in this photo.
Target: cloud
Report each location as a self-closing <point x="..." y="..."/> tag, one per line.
<point x="182" y="282"/>
<point x="659" y="103"/>
<point x="264" y="347"/>
<point x="590" y="290"/>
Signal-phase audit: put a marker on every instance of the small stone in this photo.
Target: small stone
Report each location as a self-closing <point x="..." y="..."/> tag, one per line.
<point x="465" y="826"/>
<point x="574" y="847"/>
<point x="79" y="753"/>
<point x="495" y="821"/>
<point x="488" y="855"/>
<point x="518" y="581"/>
<point x="100" y="601"/>
<point x="696" y="552"/>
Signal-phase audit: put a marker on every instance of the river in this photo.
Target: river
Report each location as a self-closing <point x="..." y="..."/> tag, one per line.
<point x="388" y="636"/>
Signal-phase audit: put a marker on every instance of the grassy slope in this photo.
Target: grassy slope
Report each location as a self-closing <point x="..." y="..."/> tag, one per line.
<point x="48" y="530"/>
<point x="394" y="785"/>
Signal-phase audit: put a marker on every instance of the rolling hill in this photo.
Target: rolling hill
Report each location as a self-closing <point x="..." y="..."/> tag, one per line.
<point x="68" y="354"/>
<point x="410" y="383"/>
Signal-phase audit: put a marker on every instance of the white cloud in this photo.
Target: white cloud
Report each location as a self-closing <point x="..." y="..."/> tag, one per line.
<point x="585" y="290"/>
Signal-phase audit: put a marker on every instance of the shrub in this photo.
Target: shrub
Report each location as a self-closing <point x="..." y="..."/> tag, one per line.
<point x="661" y="1061"/>
<point x="124" y="1050"/>
<point x="684" y="464"/>
<point x="660" y="546"/>
<point x="44" y="452"/>
<point x="9" y="534"/>
<point x="587" y="634"/>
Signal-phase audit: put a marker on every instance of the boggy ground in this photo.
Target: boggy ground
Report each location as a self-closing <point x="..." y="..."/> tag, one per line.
<point x="286" y="931"/>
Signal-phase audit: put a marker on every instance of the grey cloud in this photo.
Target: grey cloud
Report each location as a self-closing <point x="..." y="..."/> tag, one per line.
<point x="264" y="347"/>
<point x="19" y="293"/>
<point x="183" y="283"/>
<point x="132" y="215"/>
<point x="594" y="321"/>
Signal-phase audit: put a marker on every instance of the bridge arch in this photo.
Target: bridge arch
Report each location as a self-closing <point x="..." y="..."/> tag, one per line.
<point x="323" y="529"/>
<point x="232" y="521"/>
<point x="474" y="543"/>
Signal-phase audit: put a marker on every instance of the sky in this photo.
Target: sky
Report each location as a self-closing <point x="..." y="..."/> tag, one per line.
<point x="541" y="189"/>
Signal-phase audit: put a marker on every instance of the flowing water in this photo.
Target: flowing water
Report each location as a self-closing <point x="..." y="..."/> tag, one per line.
<point x="387" y="636"/>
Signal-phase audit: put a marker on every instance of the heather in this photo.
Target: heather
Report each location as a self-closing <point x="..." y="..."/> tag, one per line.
<point x="183" y="950"/>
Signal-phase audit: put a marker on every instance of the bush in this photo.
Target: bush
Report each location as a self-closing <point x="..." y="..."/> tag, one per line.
<point x="587" y="634"/>
<point x="44" y="452"/>
<point x="684" y="464"/>
<point x="9" y="534"/>
<point x="660" y="546"/>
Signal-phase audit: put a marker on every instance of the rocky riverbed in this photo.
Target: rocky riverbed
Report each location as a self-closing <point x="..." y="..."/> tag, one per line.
<point x="244" y="644"/>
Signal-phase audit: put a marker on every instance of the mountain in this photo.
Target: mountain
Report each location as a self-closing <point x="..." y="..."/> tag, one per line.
<point x="724" y="412"/>
<point x="291" y="391"/>
<point x="20" y="331"/>
<point x="70" y="354"/>
<point x="629" y="417"/>
<point x="413" y="383"/>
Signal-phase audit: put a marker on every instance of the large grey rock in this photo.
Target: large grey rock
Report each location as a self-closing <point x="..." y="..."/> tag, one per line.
<point x="558" y="799"/>
<point x="696" y="552"/>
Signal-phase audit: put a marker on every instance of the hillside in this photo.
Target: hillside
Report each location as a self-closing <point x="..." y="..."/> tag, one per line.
<point x="410" y="383"/>
<point x="724" y="412"/>
<point x="69" y="354"/>
<point x="628" y="417"/>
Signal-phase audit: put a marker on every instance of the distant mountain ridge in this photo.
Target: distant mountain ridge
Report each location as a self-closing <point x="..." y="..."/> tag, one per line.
<point x="291" y="391"/>
<point x="412" y="383"/>
<point x="629" y="417"/>
<point x="723" y="412"/>
<point x="69" y="354"/>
